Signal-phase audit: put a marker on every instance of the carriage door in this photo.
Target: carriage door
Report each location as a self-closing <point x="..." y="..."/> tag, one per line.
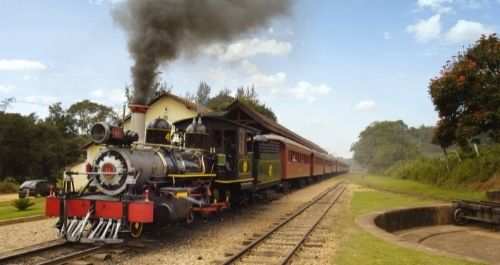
<point x="245" y="157"/>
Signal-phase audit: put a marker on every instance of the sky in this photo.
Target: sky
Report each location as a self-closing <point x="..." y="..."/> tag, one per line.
<point x="328" y="69"/>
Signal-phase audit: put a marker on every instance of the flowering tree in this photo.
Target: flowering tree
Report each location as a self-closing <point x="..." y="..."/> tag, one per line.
<point x="467" y="95"/>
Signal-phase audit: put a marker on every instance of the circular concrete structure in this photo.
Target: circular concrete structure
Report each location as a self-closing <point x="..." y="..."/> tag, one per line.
<point x="432" y="229"/>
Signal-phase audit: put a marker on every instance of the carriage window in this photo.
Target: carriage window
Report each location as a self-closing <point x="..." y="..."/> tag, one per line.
<point x="249" y="137"/>
<point x="216" y="139"/>
<point x="242" y="142"/>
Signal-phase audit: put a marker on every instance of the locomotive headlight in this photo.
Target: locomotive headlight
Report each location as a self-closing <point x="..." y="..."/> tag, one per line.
<point x="108" y="170"/>
<point x="100" y="132"/>
<point x="111" y="169"/>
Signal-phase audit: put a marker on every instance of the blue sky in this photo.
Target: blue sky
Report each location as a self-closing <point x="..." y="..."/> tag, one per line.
<point x="328" y="70"/>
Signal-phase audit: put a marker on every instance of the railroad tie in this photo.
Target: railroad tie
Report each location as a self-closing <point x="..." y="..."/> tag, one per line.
<point x="80" y="262"/>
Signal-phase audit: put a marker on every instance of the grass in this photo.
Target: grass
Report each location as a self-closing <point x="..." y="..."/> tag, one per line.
<point x="7" y="211"/>
<point x="412" y="187"/>
<point x="359" y="247"/>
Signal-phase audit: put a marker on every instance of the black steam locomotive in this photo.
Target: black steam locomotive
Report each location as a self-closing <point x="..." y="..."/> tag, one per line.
<point x="157" y="182"/>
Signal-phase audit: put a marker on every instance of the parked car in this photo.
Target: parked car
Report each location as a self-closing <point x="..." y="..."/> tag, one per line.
<point x="36" y="188"/>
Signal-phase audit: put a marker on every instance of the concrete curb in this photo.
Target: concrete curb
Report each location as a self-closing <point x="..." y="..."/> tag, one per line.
<point x="367" y="222"/>
<point x="22" y="220"/>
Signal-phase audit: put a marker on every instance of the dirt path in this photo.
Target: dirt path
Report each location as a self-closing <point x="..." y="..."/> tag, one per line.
<point x="8" y="197"/>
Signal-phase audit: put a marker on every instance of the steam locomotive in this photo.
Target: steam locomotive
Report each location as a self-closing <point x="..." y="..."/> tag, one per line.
<point x="201" y="168"/>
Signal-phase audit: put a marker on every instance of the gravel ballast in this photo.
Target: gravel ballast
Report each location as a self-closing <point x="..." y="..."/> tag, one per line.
<point x="21" y="235"/>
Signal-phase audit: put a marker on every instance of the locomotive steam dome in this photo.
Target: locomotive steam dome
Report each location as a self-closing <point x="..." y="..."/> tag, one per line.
<point x="160" y="124"/>
<point x="158" y="132"/>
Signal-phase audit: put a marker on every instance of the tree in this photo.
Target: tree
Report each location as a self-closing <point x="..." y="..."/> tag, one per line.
<point x="221" y="101"/>
<point x="5" y="103"/>
<point x="382" y="144"/>
<point x="203" y="94"/>
<point x="249" y="96"/>
<point x="467" y="95"/>
<point x="17" y="134"/>
<point x="86" y="113"/>
<point x="246" y="95"/>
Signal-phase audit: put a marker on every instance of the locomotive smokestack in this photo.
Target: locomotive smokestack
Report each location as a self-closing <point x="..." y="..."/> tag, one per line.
<point x="138" y="120"/>
<point x="160" y="31"/>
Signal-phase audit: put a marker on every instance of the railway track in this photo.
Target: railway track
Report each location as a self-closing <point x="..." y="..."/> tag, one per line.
<point x="52" y="254"/>
<point x="284" y="240"/>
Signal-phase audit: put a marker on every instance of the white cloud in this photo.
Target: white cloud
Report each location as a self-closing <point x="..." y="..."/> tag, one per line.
<point x="95" y="2"/>
<point x="426" y="30"/>
<point x="261" y="80"/>
<point x="215" y="49"/>
<point x="365" y="105"/>
<point x="43" y="100"/>
<point x="30" y="77"/>
<point x="220" y="75"/>
<point x="4" y="89"/>
<point x="249" y="67"/>
<point x="21" y="65"/>
<point x="97" y="93"/>
<point x="464" y="31"/>
<point x="247" y="48"/>
<point x="475" y="4"/>
<point x="439" y="6"/>
<point x="314" y="120"/>
<point x="270" y="30"/>
<point x="309" y="92"/>
<point x="387" y="35"/>
<point x="117" y="95"/>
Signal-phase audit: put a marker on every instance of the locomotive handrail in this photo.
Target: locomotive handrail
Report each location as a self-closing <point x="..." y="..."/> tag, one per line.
<point x="135" y="144"/>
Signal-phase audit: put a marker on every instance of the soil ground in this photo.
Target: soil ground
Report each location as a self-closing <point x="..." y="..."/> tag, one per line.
<point x="471" y="241"/>
<point x="8" y="197"/>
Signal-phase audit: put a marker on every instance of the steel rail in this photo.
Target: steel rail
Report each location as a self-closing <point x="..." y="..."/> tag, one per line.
<point x="74" y="256"/>
<point x="246" y="249"/>
<point x="31" y="251"/>
<point x="297" y="246"/>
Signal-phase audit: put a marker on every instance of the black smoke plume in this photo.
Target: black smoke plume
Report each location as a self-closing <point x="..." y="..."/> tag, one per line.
<point x="160" y="30"/>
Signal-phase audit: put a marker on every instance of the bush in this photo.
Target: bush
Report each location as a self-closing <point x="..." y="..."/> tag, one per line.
<point x="470" y="172"/>
<point x="22" y="203"/>
<point x="7" y="187"/>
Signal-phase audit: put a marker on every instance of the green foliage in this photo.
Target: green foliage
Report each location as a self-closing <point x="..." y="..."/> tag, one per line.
<point x="7" y="187"/>
<point x="39" y="149"/>
<point x="221" y="101"/>
<point x="249" y="96"/>
<point x="467" y="171"/>
<point x="22" y="203"/>
<point x="382" y="144"/>
<point x="467" y="95"/>
<point x="86" y="113"/>
<point x="246" y="95"/>
<point x="9" y="212"/>
<point x="423" y="136"/>
<point x="203" y="93"/>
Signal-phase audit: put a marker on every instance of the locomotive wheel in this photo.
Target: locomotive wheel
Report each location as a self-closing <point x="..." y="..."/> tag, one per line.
<point x="136" y="229"/>
<point x="459" y="216"/>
